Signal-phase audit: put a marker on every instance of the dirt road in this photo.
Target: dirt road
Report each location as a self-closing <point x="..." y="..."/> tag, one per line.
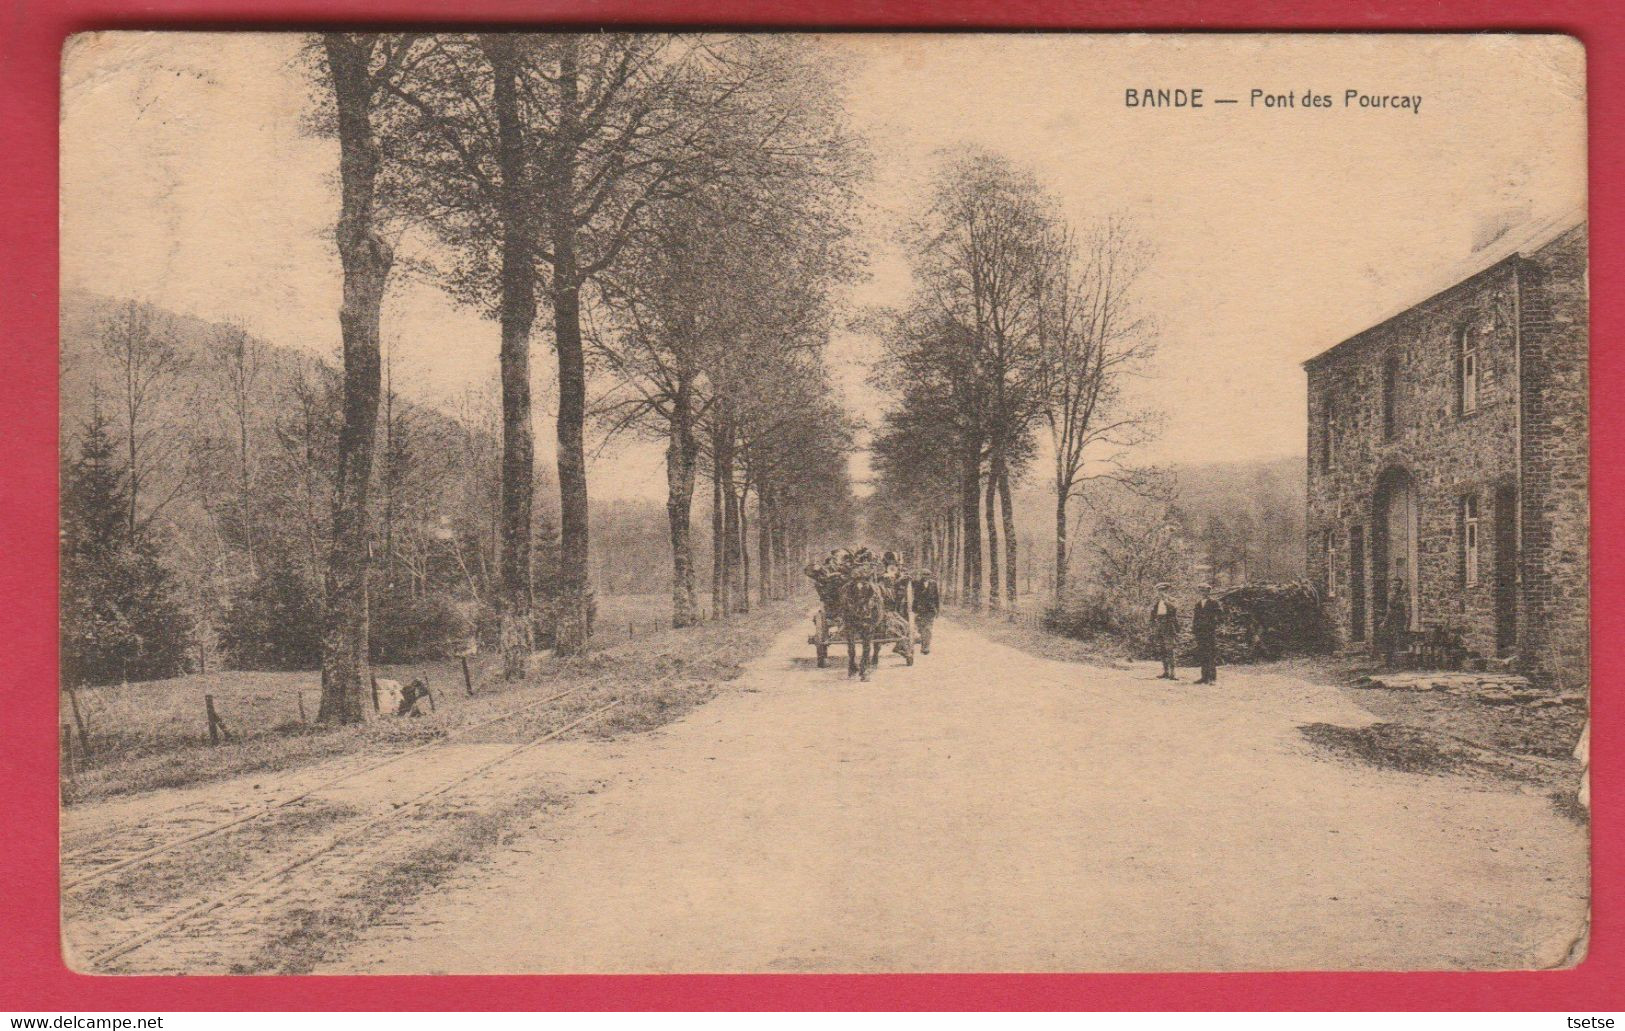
<point x="987" y="810"/>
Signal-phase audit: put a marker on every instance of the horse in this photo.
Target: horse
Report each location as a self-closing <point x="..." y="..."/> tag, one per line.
<point x="863" y="614"/>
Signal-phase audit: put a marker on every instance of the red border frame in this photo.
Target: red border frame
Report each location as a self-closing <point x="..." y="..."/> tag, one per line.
<point x="31" y="33"/>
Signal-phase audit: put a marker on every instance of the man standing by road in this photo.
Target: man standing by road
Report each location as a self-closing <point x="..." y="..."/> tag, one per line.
<point x="1396" y="623"/>
<point x="1205" y="628"/>
<point x="1165" y="630"/>
<point x="927" y="600"/>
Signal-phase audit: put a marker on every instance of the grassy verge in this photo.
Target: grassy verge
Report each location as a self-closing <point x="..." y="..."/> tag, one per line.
<point x="1025" y="631"/>
<point x="656" y="675"/>
<point x="1394" y="746"/>
<point x="1412" y="749"/>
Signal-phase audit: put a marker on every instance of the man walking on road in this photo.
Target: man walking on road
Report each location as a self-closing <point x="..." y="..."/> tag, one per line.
<point x="927" y="601"/>
<point x="1165" y="630"/>
<point x="1205" y="628"/>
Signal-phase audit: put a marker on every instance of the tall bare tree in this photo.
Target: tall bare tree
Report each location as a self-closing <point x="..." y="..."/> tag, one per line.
<point x="1092" y="338"/>
<point x="239" y="362"/>
<point x="148" y="368"/>
<point x="358" y="66"/>
<point x="978" y="252"/>
<point x="724" y="254"/>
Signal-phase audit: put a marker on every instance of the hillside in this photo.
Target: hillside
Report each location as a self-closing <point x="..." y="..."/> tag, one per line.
<point x="222" y="416"/>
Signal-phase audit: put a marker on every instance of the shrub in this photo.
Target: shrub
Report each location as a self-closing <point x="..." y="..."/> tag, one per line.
<point x="407" y="628"/>
<point x="1082" y="616"/>
<point x="275" y="621"/>
<point x="120" y="618"/>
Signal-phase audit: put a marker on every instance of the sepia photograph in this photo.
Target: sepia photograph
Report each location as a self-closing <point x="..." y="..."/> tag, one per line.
<point x="544" y="502"/>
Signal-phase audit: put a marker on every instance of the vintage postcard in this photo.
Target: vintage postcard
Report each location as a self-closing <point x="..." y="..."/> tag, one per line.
<point x="642" y="502"/>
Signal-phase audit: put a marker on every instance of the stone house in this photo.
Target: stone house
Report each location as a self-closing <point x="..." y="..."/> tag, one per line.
<point x="1448" y="451"/>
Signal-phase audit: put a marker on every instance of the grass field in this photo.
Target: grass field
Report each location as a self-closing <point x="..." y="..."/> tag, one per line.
<point x="155" y="735"/>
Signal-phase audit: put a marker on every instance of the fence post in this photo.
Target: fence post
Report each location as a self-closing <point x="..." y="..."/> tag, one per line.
<point x="67" y="751"/>
<point x="468" y="681"/>
<point x="84" y="735"/>
<point x="301" y="696"/>
<point x="214" y="720"/>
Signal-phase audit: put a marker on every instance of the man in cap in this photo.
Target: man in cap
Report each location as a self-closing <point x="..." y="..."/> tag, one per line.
<point x="1396" y="623"/>
<point x="1205" y="628"/>
<point x="927" y="602"/>
<point x="1165" y="630"/>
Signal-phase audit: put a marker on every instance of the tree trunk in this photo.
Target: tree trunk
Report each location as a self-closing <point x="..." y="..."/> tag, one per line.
<point x="1007" y="517"/>
<point x="970" y="533"/>
<point x="132" y="430"/>
<point x="730" y="535"/>
<point x="245" y="485"/>
<point x="518" y="314"/>
<point x="764" y="549"/>
<point x="574" y="626"/>
<point x="1062" y="548"/>
<point x="681" y="453"/>
<point x="991" y="498"/>
<point x="719" y="544"/>
<point x="366" y="259"/>
<point x="744" y="552"/>
<point x="389" y="479"/>
<point x="782" y="537"/>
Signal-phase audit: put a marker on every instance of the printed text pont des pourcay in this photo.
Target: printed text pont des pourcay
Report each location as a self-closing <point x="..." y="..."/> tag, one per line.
<point x="1197" y="97"/>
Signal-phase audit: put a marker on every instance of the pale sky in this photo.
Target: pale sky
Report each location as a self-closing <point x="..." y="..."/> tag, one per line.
<point x="1276" y="233"/>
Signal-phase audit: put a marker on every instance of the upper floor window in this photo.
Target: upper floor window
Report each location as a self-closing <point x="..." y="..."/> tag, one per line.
<point x="1390" y="397"/>
<point x="1467" y="371"/>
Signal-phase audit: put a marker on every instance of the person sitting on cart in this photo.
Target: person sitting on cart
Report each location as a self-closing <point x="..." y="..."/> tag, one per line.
<point x="892" y="580"/>
<point x="828" y="576"/>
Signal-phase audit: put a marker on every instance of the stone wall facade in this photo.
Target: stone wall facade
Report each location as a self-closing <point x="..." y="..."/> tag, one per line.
<point x="1555" y="445"/>
<point x="1490" y="481"/>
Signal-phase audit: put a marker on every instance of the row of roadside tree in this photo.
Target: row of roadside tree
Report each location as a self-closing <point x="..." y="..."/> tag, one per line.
<point x="1019" y="340"/>
<point x="671" y="213"/>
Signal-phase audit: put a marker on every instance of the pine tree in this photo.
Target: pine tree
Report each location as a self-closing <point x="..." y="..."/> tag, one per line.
<point x="120" y="618"/>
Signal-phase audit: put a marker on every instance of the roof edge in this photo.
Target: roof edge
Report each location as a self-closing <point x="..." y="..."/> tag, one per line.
<point x="1540" y="236"/>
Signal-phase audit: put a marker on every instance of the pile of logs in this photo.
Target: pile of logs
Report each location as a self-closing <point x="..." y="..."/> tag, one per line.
<point x="1266" y="621"/>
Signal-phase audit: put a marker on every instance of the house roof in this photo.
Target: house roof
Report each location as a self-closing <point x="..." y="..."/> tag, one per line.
<point x="1523" y="239"/>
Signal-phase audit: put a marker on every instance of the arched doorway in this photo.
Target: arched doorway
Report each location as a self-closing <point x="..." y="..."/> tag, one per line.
<point x="1393" y="543"/>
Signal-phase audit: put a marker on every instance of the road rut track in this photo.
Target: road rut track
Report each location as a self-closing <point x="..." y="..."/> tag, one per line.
<point x="142" y="911"/>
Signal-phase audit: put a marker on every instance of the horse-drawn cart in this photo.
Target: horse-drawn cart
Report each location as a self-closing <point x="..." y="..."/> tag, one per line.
<point x="899" y="629"/>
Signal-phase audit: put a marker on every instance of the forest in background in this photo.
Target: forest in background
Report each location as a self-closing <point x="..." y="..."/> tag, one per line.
<point x="235" y="448"/>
